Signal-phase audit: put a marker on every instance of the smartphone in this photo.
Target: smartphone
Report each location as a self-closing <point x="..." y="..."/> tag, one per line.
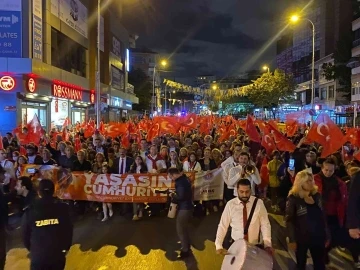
<point x="292" y="164"/>
<point x="31" y="170"/>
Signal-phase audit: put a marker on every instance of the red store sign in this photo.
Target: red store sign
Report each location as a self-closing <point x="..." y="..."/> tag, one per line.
<point x="7" y="83"/>
<point x="66" y="91"/>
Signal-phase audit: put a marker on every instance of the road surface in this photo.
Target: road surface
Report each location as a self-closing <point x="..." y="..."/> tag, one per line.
<point x="149" y="244"/>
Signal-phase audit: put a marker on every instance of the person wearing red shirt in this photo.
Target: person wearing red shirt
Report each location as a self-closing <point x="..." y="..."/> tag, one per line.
<point x="334" y="199"/>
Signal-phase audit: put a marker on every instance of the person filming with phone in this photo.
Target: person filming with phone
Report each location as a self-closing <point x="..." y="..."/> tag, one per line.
<point x="247" y="217"/>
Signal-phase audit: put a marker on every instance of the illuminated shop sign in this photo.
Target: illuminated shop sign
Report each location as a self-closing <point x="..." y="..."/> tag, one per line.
<point x="7" y="83"/>
<point x="68" y="91"/>
<point x="31" y="85"/>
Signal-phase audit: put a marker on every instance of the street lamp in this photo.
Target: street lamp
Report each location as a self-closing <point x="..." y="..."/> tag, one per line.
<point x="163" y="63"/>
<point x="97" y="83"/>
<point x="294" y="19"/>
<point x="266" y="68"/>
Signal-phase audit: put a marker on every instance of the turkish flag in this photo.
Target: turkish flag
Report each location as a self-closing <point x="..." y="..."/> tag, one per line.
<point x="153" y="131"/>
<point x="115" y="129"/>
<point x="77" y="144"/>
<point x="67" y="122"/>
<point x="291" y="128"/>
<point x="267" y="142"/>
<point x="262" y="126"/>
<point x="167" y="124"/>
<point x="325" y="132"/>
<point x="251" y="130"/>
<point x="125" y="139"/>
<point x="273" y="124"/>
<point x="189" y="120"/>
<point x="35" y="131"/>
<point x="282" y="143"/>
<point x="242" y="124"/>
<point x="205" y="124"/>
<point x="353" y="136"/>
<point x="264" y="174"/>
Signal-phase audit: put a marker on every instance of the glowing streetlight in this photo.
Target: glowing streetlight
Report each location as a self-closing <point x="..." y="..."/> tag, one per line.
<point x="266" y="68"/>
<point x="294" y="19"/>
<point x="163" y="63"/>
<point x="214" y="87"/>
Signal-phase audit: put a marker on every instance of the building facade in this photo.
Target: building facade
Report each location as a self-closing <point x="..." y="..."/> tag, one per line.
<point x="355" y="61"/>
<point x="48" y="60"/>
<point x="331" y="18"/>
<point x="204" y="80"/>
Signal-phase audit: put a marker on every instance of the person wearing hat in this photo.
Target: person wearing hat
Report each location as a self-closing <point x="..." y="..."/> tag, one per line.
<point x="47" y="230"/>
<point x="31" y="155"/>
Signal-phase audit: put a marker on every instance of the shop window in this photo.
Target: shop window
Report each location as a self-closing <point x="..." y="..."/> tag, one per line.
<point x="66" y="54"/>
<point x="323" y="93"/>
<point x="331" y="91"/>
<point x="29" y="109"/>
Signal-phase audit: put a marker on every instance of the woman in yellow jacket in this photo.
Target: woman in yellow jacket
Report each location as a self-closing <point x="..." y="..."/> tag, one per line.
<point x="274" y="181"/>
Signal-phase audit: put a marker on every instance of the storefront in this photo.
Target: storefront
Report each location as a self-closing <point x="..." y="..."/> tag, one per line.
<point x="52" y="101"/>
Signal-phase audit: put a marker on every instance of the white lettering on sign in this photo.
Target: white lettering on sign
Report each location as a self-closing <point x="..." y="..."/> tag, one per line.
<point x="67" y="92"/>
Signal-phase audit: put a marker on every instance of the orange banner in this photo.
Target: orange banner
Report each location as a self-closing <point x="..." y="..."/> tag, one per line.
<point x="110" y="188"/>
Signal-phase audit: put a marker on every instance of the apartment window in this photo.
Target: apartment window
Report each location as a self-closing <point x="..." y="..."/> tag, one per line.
<point x="323" y="93"/>
<point x="331" y="91"/>
<point x="66" y="54"/>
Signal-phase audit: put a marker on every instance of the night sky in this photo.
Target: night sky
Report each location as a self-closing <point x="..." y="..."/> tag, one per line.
<point x="200" y="37"/>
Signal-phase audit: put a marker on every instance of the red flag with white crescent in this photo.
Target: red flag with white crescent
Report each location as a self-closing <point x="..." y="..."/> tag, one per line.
<point x="325" y="132"/>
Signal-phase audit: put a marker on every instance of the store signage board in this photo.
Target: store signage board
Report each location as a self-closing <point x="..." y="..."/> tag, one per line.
<point x="73" y="13"/>
<point x="10" y="29"/>
<point x="37" y="30"/>
<point x="66" y="91"/>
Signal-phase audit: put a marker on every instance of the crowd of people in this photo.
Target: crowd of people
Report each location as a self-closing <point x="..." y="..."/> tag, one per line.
<point x="319" y="197"/>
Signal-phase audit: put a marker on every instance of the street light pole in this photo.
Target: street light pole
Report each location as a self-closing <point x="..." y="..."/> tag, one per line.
<point x="98" y="102"/>
<point x="153" y="95"/>
<point x="294" y="19"/>
<point x="165" y="99"/>
<point x="313" y="66"/>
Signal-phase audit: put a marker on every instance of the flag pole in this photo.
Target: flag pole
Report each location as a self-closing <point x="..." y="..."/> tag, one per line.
<point x="355" y="114"/>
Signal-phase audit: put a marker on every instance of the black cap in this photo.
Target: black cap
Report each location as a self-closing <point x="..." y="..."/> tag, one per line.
<point x="46" y="187"/>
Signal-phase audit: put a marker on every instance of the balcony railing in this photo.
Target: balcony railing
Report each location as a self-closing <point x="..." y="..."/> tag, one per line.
<point x="356" y="43"/>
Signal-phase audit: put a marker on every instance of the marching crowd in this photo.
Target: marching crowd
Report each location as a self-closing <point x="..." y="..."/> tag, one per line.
<point x="319" y="197"/>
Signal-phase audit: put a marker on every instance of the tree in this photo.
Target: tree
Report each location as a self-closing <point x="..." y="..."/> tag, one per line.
<point x="339" y="71"/>
<point x="142" y="89"/>
<point x="271" y="89"/>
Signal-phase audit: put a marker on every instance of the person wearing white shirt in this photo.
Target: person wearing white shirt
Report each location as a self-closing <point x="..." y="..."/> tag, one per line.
<point x="237" y="173"/>
<point x="227" y="165"/>
<point x="233" y="215"/>
<point x="154" y="161"/>
<point x="192" y="165"/>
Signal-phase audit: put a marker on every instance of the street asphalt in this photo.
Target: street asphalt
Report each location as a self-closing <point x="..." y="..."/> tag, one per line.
<point x="150" y="244"/>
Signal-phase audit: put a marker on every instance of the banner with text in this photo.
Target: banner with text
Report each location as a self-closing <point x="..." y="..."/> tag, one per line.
<point x="73" y="13"/>
<point x="113" y="188"/>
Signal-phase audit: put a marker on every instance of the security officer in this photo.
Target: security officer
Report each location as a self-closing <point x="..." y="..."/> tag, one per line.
<point x="47" y="230"/>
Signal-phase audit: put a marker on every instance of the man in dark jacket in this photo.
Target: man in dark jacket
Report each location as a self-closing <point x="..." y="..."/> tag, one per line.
<point x="47" y="230"/>
<point x="123" y="163"/>
<point x="81" y="164"/>
<point x="353" y="217"/>
<point x="183" y="198"/>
